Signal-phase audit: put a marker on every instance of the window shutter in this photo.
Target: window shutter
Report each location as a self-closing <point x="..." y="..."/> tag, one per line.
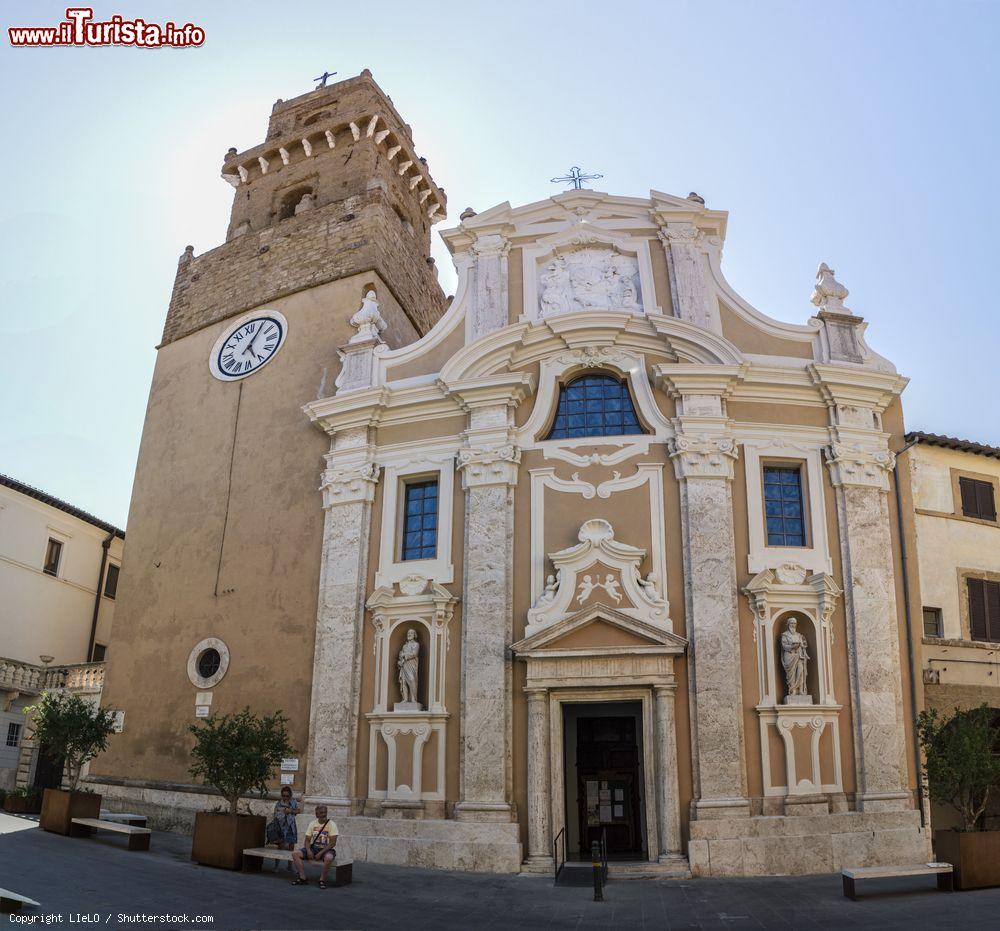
<point x="970" y="507"/>
<point x="977" y="609"/>
<point x="992" y="610"/>
<point x="985" y="505"/>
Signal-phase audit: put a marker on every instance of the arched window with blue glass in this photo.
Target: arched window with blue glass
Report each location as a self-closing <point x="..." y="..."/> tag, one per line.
<point x="594" y="405"/>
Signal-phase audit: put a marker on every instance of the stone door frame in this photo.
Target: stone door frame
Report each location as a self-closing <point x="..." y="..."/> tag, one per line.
<point x="557" y="747"/>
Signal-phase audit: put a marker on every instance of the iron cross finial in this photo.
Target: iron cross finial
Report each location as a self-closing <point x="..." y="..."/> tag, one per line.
<point x="323" y="77"/>
<point x="575" y="178"/>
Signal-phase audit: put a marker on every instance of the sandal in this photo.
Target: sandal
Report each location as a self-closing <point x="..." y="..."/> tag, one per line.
<point x="300" y="882"/>
<point x="322" y="884"/>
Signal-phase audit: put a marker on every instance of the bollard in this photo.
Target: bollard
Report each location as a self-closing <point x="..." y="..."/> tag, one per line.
<point x="595" y="859"/>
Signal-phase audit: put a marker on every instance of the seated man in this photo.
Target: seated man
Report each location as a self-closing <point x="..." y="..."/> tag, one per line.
<point x="321" y="839"/>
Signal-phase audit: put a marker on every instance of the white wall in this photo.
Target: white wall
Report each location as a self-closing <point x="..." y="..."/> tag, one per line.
<point x="39" y="613"/>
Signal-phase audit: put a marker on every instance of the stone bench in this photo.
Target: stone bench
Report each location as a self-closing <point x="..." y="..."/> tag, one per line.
<point x="943" y="871"/>
<point x="13" y="902"/>
<point x="138" y="838"/>
<point x="124" y="817"/>
<point x="340" y="873"/>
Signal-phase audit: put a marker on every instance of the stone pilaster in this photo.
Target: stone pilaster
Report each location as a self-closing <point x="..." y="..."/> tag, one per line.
<point x="690" y="289"/>
<point x="489" y="473"/>
<point x="667" y="791"/>
<point x="489" y="311"/>
<point x="539" y="783"/>
<point x="703" y="453"/>
<point x="860" y="471"/>
<point x="348" y="490"/>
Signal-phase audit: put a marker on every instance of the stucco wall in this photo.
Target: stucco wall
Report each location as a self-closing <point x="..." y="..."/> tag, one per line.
<point x="225" y="527"/>
<point x="44" y="614"/>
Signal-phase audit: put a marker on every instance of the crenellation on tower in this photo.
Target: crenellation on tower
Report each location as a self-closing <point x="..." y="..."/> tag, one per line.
<point x="335" y="189"/>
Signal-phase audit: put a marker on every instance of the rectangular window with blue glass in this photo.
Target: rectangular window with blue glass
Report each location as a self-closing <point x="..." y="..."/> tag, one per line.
<point x="783" y="506"/>
<point x="420" y="519"/>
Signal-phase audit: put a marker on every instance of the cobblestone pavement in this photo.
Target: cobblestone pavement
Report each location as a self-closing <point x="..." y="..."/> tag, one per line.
<point x="97" y="876"/>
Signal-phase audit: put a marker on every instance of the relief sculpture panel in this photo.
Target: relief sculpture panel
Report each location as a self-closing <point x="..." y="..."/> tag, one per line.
<point x="589" y="279"/>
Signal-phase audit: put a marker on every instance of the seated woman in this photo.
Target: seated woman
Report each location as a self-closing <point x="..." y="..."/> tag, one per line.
<point x="285" y="811"/>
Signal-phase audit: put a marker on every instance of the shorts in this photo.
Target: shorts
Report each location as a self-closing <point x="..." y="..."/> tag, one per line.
<point x="317" y="851"/>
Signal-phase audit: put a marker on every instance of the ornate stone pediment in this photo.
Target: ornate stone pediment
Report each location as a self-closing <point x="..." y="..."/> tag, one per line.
<point x="599" y="631"/>
<point x="599" y="569"/>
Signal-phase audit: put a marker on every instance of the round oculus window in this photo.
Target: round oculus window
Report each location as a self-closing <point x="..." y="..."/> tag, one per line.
<point x="209" y="663"/>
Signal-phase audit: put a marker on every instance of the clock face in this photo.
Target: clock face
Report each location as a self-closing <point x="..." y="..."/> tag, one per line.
<point x="247" y="346"/>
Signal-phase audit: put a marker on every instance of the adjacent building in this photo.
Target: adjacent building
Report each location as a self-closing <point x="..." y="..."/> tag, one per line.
<point x="956" y="486"/>
<point x="596" y="550"/>
<point x="59" y="571"/>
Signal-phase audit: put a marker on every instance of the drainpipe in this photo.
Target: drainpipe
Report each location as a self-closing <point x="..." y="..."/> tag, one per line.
<point x="909" y="632"/>
<point x="97" y="598"/>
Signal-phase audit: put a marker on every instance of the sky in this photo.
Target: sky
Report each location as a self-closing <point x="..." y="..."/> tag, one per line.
<point x="862" y="134"/>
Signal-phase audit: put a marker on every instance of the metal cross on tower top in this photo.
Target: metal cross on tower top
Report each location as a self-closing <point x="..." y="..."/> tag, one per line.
<point x="323" y="77"/>
<point x="576" y="178"/>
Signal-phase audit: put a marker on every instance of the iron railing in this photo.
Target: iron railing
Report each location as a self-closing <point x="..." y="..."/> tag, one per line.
<point x="559" y="863"/>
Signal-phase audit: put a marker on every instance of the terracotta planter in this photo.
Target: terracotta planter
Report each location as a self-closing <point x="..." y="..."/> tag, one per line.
<point x="19" y="805"/>
<point x="974" y="854"/>
<point x="219" y="840"/>
<point x="60" y="807"/>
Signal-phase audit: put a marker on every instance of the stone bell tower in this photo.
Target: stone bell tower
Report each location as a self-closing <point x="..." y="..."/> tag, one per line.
<point x="335" y="189"/>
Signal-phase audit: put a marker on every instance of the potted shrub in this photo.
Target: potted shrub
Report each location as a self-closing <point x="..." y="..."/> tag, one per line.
<point x="76" y="730"/>
<point x="962" y="770"/>
<point x="235" y="754"/>
<point x="24" y="801"/>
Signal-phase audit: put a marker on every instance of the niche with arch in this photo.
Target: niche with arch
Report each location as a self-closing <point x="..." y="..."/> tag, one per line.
<point x="804" y="626"/>
<point x="290" y="201"/>
<point x="799" y="735"/>
<point x="407" y="740"/>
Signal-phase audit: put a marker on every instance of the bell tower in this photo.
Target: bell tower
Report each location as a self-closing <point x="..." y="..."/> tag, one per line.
<point x="335" y="189"/>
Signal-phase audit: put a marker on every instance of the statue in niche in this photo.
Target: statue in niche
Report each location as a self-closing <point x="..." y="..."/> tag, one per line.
<point x="795" y="661"/>
<point x="408" y="664"/>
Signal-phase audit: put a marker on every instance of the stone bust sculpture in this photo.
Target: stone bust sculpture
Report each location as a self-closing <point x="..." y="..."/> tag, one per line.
<point x="794" y="659"/>
<point x="408" y="664"/>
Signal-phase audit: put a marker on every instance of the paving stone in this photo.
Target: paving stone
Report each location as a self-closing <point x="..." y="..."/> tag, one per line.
<point x="98" y="875"/>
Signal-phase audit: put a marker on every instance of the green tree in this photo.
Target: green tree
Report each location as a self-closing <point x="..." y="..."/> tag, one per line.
<point x="237" y="753"/>
<point x="70" y="727"/>
<point x="962" y="765"/>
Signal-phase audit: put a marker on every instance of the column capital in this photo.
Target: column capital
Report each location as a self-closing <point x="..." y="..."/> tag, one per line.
<point x="349" y="484"/>
<point x="703" y="455"/>
<point x="680" y="233"/>
<point x="865" y="465"/>
<point x="489" y="465"/>
<point x="491" y="244"/>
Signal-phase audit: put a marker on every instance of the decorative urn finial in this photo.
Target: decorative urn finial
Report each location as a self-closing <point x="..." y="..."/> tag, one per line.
<point x="368" y="321"/>
<point x="829" y="293"/>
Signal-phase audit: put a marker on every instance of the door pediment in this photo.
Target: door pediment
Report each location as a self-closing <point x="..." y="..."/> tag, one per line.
<point x="598" y="631"/>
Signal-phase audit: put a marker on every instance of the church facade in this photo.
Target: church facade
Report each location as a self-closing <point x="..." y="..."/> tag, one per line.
<point x="599" y="551"/>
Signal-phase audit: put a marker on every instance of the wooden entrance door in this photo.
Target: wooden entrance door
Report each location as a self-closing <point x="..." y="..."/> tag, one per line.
<point x="609" y="784"/>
